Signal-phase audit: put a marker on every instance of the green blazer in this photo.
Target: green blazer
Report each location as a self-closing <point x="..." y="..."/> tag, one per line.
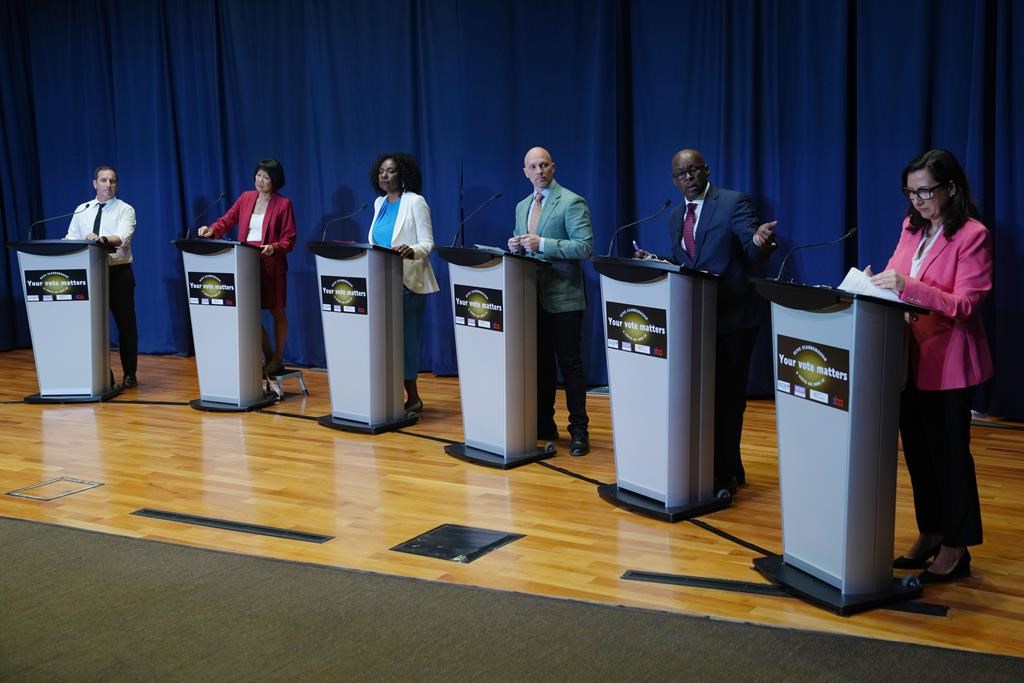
<point x="568" y="237"/>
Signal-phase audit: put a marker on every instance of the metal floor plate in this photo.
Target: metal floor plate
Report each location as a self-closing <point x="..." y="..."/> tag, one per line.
<point x="456" y="543"/>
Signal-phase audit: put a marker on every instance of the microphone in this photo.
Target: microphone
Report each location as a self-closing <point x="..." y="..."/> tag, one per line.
<point x="812" y="246"/>
<point x="323" y="235"/>
<point x="611" y="243"/>
<point x="460" y="236"/>
<point x="191" y="223"/>
<point x="55" y="218"/>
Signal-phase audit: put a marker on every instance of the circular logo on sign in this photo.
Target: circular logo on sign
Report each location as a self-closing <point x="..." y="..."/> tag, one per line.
<point x="635" y="325"/>
<point x="211" y="287"/>
<point x="56" y="283"/>
<point x="810" y="365"/>
<point x="478" y="305"/>
<point x="342" y="290"/>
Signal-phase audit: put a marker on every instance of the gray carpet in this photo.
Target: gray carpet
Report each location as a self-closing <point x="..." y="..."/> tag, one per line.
<point x="82" y="606"/>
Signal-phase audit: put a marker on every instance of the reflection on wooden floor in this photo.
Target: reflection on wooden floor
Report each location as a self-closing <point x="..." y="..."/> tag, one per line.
<point x="373" y="492"/>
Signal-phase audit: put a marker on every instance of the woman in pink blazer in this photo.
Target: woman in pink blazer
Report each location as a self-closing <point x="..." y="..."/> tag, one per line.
<point x="942" y="262"/>
<point x="266" y="220"/>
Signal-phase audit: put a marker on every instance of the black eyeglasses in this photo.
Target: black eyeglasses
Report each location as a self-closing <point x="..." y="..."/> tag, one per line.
<point x="922" y="192"/>
<point x="691" y="171"/>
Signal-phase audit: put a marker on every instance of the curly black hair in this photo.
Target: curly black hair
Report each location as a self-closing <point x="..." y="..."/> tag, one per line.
<point x="408" y="172"/>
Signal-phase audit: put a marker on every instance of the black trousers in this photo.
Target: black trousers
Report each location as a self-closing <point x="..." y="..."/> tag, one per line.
<point x="558" y="338"/>
<point x="122" y="306"/>
<point x="732" y="366"/>
<point x="935" y="427"/>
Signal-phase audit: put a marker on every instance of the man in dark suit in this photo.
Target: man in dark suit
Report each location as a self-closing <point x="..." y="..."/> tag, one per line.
<point x="716" y="230"/>
<point x="553" y="223"/>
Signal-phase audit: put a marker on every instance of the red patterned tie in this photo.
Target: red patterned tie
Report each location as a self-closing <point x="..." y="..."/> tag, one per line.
<point x="688" y="222"/>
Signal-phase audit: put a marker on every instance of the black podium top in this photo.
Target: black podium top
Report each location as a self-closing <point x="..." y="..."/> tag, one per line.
<point x="821" y="298"/>
<point x="345" y="250"/>
<point x="207" y="246"/>
<point x="479" y="255"/>
<point x="643" y="270"/>
<point x="57" y="247"/>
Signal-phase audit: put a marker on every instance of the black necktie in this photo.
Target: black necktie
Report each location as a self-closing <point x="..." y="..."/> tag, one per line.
<point x="96" y="223"/>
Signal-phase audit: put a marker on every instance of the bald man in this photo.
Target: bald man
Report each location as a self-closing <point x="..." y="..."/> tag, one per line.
<point x="553" y="223"/>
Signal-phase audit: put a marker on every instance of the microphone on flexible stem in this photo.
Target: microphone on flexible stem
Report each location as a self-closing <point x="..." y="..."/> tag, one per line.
<point x="812" y="246"/>
<point x="323" y="235"/>
<point x="460" y="236"/>
<point x="611" y="244"/>
<point x="191" y="223"/>
<point x="55" y="218"/>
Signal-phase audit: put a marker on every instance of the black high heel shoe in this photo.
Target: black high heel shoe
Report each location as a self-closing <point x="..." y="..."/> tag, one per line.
<point x="961" y="571"/>
<point x="904" y="562"/>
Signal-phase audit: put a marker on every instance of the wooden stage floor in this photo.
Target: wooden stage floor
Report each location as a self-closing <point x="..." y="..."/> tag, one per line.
<point x="149" y="449"/>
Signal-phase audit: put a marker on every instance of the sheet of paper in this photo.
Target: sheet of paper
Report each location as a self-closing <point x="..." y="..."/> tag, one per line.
<point x="856" y="282"/>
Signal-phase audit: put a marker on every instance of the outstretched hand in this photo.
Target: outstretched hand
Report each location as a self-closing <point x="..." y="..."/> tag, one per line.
<point x="766" y="235"/>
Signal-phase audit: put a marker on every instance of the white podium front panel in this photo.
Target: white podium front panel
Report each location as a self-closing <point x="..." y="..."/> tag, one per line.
<point x="495" y="338"/>
<point x="361" y="312"/>
<point x="70" y="333"/>
<point x="659" y="338"/>
<point x="837" y="440"/>
<point x="224" y="304"/>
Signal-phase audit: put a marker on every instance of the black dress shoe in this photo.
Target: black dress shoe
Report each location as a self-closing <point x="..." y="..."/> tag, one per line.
<point x="129" y="382"/>
<point x="547" y="433"/>
<point x="579" y="445"/>
<point x="961" y="571"/>
<point x="904" y="562"/>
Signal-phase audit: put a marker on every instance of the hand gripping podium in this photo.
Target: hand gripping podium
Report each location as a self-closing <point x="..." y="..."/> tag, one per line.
<point x="840" y="361"/>
<point x="66" y="296"/>
<point x="360" y="294"/>
<point x="222" y="279"/>
<point x="494" y="297"/>
<point x="660" y="323"/>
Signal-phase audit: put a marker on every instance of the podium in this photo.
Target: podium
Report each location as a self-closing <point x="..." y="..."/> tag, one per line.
<point x="494" y="301"/>
<point x="222" y="279"/>
<point x="840" y="365"/>
<point x="66" y="297"/>
<point x="360" y="292"/>
<point x="660" y="325"/>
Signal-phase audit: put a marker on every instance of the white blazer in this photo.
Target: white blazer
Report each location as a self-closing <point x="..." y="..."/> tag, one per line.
<point x="412" y="227"/>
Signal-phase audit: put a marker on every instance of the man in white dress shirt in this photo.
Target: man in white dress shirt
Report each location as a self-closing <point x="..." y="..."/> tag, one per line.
<point x="111" y="221"/>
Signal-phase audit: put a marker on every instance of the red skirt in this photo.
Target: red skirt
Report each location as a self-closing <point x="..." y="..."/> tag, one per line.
<point x="273" y="282"/>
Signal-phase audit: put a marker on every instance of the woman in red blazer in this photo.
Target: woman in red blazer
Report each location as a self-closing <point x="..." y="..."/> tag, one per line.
<point x="942" y="262"/>
<point x="266" y="220"/>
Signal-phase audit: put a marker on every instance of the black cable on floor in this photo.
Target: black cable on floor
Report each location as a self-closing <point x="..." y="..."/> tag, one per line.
<point x="429" y="437"/>
<point x="575" y="475"/>
<point x="729" y="537"/>
<point x="283" y="414"/>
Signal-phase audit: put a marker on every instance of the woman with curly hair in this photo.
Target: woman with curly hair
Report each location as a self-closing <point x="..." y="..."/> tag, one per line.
<point x="402" y="222"/>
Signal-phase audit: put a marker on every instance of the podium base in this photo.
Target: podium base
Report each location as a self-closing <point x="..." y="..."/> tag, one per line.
<point x="489" y="459"/>
<point x="76" y="398"/>
<point x="642" y="505"/>
<point x="817" y="592"/>
<point x="218" y="407"/>
<point x="366" y="428"/>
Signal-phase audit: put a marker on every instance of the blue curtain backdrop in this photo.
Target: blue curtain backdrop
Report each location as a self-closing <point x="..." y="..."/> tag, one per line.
<point x="812" y="107"/>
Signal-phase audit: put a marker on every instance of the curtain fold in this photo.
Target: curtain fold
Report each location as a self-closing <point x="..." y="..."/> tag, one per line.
<point x="813" y="108"/>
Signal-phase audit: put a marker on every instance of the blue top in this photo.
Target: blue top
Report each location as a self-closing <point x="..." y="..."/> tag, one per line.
<point x="384" y="227"/>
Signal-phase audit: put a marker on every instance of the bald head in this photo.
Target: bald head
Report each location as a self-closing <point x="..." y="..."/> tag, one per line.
<point x="539" y="168"/>
<point x="690" y="173"/>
